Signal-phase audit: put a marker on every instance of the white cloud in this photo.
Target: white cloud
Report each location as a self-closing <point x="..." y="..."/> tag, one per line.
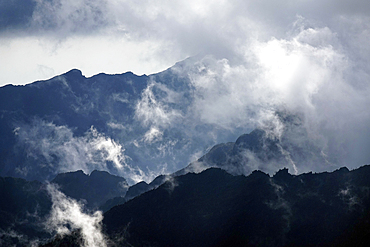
<point x="56" y="149"/>
<point x="152" y="134"/>
<point x="73" y="153"/>
<point x="150" y="111"/>
<point x="306" y="75"/>
<point x="67" y="215"/>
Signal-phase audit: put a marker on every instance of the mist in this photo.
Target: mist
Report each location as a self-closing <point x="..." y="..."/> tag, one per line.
<point x="56" y="150"/>
<point x="67" y="215"/>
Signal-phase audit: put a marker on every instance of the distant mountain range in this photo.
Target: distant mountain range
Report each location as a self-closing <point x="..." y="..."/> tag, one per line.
<point x="137" y="127"/>
<point x="132" y="126"/>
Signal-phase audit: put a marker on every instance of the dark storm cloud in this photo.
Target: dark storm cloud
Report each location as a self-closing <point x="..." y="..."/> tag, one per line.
<point x="68" y="17"/>
<point x="16" y="14"/>
<point x="53" y="17"/>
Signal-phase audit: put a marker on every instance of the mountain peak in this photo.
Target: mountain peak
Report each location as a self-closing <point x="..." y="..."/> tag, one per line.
<point x="282" y="173"/>
<point x="342" y="170"/>
<point x="74" y="73"/>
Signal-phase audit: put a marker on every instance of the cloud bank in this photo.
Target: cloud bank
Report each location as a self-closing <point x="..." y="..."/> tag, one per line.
<point x="313" y="76"/>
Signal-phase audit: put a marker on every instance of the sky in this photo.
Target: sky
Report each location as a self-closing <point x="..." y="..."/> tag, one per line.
<point x="43" y="38"/>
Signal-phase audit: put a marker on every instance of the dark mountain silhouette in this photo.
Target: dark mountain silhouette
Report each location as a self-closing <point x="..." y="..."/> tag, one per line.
<point x="23" y="206"/>
<point x="214" y="208"/>
<point x="96" y="188"/>
<point x="134" y="191"/>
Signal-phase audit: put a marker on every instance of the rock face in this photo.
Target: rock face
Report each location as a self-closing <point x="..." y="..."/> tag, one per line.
<point x="96" y="188"/>
<point x="214" y="208"/>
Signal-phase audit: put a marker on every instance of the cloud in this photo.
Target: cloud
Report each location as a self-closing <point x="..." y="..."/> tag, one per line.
<point x="281" y="204"/>
<point x="56" y="149"/>
<point x="170" y="183"/>
<point x="68" y="17"/>
<point x="150" y="111"/>
<point x="156" y="34"/>
<point x="56" y="16"/>
<point x="16" y="14"/>
<point x="350" y="198"/>
<point x="152" y="135"/>
<point x="67" y="215"/>
<point x="308" y="75"/>
<point x="312" y="77"/>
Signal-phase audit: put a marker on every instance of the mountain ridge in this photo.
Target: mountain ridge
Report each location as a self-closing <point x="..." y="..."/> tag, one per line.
<point x="257" y="210"/>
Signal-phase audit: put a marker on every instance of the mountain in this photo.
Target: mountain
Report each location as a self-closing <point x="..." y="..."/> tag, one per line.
<point x="96" y="188"/>
<point x="27" y="207"/>
<point x="134" y="191"/>
<point x="139" y="127"/>
<point x="258" y="150"/>
<point x="23" y="206"/>
<point x="105" y="122"/>
<point x="214" y="208"/>
<point x="255" y="149"/>
<point x="39" y="119"/>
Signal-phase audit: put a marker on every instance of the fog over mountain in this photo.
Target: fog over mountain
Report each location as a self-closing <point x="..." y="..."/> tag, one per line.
<point x="238" y="85"/>
<point x="142" y="126"/>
